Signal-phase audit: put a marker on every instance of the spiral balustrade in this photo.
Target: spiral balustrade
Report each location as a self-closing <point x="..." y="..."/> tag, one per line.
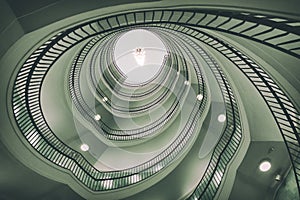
<point x="184" y="26"/>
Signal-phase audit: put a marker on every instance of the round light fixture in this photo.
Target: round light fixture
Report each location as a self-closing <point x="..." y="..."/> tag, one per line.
<point x="199" y="97"/>
<point x="265" y="166"/>
<point x="84" y="147"/>
<point x="97" y="117"/>
<point x="104" y="99"/>
<point x="221" y="118"/>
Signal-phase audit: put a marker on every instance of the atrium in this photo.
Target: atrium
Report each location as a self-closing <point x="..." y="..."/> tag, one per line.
<point x="151" y="100"/>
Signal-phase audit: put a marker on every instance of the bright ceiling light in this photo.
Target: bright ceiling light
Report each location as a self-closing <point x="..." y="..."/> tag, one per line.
<point x="139" y="55"/>
<point x="199" y="97"/>
<point x="84" y="147"/>
<point x="221" y="118"/>
<point x="265" y="166"/>
<point x="104" y="99"/>
<point x="97" y="117"/>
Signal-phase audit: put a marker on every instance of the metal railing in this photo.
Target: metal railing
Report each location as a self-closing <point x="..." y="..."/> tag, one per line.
<point x="280" y="105"/>
<point x="32" y="124"/>
<point x="120" y="135"/>
<point x="230" y="140"/>
<point x="162" y="84"/>
<point x="277" y="32"/>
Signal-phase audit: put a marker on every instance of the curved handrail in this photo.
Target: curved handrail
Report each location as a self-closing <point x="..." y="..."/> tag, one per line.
<point x="282" y="36"/>
<point x="232" y="135"/>
<point x="162" y="83"/>
<point x="282" y="109"/>
<point x="109" y="133"/>
<point x="53" y="149"/>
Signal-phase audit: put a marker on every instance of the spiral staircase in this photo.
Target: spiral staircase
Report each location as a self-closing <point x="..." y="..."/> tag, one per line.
<point x="149" y="99"/>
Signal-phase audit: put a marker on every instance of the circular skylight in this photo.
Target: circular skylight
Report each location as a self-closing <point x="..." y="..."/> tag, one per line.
<point x="139" y="54"/>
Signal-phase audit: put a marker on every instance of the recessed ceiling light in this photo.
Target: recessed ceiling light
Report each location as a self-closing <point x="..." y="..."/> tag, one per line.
<point x="265" y="166"/>
<point x="84" y="147"/>
<point x="221" y="118"/>
<point x="97" y="117"/>
<point x="199" y="97"/>
<point x="104" y="99"/>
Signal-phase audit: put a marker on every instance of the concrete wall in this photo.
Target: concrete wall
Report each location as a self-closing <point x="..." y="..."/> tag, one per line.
<point x="10" y="28"/>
